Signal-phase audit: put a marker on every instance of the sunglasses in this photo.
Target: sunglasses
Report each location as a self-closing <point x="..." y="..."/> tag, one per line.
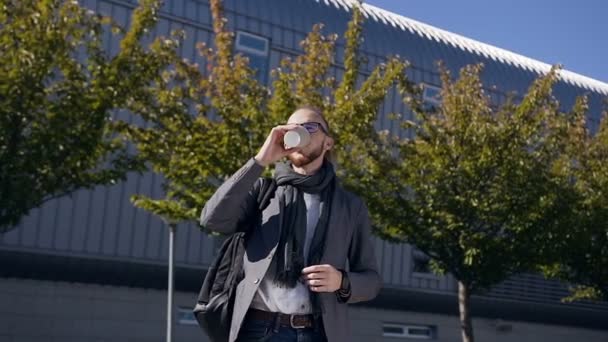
<point x="313" y="127"/>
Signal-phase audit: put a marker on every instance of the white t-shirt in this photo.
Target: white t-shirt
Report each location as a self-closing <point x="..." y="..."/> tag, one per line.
<point x="296" y="300"/>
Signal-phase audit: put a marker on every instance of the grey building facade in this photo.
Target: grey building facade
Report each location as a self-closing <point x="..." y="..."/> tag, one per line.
<point x="91" y="267"/>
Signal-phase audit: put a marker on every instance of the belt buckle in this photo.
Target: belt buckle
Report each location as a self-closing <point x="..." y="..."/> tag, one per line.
<point x="293" y="325"/>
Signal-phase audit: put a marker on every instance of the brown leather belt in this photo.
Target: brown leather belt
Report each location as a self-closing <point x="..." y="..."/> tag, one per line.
<point x="293" y="321"/>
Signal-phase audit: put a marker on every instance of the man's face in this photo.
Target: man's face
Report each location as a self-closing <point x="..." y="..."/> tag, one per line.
<point x="319" y="141"/>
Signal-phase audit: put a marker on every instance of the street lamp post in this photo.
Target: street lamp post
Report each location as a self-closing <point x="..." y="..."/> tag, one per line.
<point x="172" y="230"/>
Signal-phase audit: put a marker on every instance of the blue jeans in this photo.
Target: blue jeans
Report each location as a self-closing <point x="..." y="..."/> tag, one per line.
<point x="256" y="330"/>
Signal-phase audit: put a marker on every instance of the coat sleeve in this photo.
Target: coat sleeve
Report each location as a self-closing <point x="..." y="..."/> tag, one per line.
<point x="234" y="201"/>
<point x="365" y="281"/>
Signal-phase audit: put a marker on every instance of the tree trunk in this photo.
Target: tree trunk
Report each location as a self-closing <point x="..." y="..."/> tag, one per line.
<point x="466" y="325"/>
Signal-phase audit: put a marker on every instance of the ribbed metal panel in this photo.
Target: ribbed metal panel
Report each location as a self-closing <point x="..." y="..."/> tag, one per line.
<point x="534" y="288"/>
<point x="102" y="223"/>
<point x="384" y="38"/>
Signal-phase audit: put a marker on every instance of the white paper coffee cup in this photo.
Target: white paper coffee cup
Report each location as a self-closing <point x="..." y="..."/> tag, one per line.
<point x="297" y="137"/>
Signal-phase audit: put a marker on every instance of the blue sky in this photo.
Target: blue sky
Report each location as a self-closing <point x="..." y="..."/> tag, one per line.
<point x="572" y="33"/>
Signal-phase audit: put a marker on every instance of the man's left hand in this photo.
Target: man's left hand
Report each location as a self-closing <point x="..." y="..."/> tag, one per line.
<point x="322" y="278"/>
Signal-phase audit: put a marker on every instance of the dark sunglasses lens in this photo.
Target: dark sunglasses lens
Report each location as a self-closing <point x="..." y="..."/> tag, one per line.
<point x="311" y="127"/>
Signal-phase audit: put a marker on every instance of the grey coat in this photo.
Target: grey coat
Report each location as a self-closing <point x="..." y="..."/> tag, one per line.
<point x="348" y="246"/>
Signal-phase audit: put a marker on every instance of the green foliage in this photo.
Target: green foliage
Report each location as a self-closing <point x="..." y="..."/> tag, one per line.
<point x="476" y="188"/>
<point x="58" y="88"/>
<point x="581" y="250"/>
<point x="200" y="126"/>
<point x="196" y="151"/>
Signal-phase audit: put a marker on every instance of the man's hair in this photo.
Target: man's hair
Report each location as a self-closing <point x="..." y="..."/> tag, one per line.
<point x="329" y="155"/>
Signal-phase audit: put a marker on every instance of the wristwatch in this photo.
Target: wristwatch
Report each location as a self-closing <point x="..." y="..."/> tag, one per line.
<point x="343" y="293"/>
<point x="345" y="285"/>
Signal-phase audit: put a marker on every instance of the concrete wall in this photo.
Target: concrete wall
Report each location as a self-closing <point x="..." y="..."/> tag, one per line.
<point x="367" y="326"/>
<point x="44" y="311"/>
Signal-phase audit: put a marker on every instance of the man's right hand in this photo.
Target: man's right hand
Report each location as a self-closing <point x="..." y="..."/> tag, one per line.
<point x="273" y="148"/>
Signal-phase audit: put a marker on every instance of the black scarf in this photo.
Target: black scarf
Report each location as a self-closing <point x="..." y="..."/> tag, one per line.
<point x="290" y="255"/>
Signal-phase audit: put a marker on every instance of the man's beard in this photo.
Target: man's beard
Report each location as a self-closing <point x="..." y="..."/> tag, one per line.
<point x="299" y="159"/>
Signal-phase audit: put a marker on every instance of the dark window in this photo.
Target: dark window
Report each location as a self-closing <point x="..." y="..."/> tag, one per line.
<point x="256" y="49"/>
<point x="409" y="331"/>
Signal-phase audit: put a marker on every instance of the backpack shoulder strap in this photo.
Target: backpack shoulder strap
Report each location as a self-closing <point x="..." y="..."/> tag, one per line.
<point x="268" y="187"/>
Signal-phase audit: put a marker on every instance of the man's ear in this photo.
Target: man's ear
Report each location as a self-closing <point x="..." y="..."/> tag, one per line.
<point x="328" y="144"/>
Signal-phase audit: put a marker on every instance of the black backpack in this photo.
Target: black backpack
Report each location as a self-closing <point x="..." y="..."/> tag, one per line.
<point x="215" y="302"/>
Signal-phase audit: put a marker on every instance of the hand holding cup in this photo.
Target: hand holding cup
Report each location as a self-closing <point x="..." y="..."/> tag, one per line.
<point x="275" y="147"/>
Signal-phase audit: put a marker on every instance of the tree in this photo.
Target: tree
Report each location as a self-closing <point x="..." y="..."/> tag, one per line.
<point x="475" y="188"/>
<point x="58" y="90"/>
<point x="581" y="253"/>
<point x="199" y="128"/>
<point x="223" y="114"/>
<point x="204" y="125"/>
